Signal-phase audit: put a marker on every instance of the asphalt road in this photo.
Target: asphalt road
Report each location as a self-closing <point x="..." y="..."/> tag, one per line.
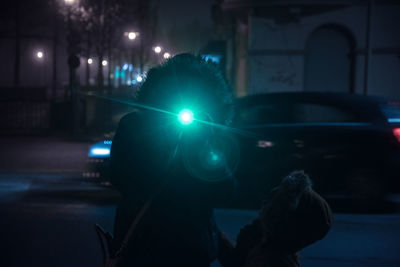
<point x="47" y="220"/>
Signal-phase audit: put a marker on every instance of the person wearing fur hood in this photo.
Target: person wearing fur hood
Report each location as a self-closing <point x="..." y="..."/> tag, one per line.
<point x="293" y="217"/>
<point x="151" y="166"/>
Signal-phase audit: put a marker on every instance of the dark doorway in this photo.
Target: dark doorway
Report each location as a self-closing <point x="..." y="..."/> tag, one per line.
<point x="329" y="60"/>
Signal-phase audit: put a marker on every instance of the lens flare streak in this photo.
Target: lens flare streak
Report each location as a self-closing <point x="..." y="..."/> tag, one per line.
<point x="141" y="106"/>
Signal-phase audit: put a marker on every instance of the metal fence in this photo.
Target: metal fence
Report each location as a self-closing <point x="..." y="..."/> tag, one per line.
<point x="24" y="111"/>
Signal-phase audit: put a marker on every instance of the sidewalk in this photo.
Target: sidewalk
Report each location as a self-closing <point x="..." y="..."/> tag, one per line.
<point x="42" y="154"/>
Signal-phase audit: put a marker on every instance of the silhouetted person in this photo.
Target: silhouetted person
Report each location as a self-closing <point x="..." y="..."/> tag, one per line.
<point x="292" y="218"/>
<point x="153" y="155"/>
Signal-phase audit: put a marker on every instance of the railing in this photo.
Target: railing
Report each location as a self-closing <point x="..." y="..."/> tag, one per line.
<point x="24" y="111"/>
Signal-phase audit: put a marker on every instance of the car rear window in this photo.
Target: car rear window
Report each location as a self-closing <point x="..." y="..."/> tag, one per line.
<point x="295" y="113"/>
<point x="264" y="114"/>
<point x="310" y="112"/>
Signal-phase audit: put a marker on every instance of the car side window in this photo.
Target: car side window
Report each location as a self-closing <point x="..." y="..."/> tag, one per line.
<point x="265" y="114"/>
<point x="311" y="112"/>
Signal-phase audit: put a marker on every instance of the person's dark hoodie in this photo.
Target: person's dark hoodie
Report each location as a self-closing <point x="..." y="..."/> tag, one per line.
<point x="293" y="217"/>
<point x="148" y="162"/>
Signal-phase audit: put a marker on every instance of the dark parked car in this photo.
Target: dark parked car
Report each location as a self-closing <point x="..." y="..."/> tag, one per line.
<point x="349" y="144"/>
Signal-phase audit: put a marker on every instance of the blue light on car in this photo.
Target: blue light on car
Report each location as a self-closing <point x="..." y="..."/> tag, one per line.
<point x="392" y="112"/>
<point x="394" y="120"/>
<point x="100" y="149"/>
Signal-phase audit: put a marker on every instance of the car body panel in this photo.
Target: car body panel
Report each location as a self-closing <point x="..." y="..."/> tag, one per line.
<point x="289" y="132"/>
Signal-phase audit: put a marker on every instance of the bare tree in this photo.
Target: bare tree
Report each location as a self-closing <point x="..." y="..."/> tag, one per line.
<point x="21" y="20"/>
<point x="100" y="24"/>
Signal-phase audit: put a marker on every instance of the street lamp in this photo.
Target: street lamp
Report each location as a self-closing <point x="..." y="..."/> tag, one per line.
<point x="39" y="54"/>
<point x="90" y="61"/>
<point x="157" y="49"/>
<point x="132" y="35"/>
<point x="104" y="62"/>
<point x="167" y="55"/>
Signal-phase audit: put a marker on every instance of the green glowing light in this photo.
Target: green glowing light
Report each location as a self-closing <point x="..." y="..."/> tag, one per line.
<point x="214" y="157"/>
<point x="185" y="117"/>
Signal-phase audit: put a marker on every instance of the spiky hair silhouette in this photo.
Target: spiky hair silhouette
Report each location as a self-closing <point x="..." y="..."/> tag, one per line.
<point x="188" y="77"/>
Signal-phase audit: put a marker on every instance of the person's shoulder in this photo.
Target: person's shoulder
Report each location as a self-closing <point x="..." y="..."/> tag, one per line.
<point x="133" y="116"/>
<point x="251" y="231"/>
<point x="129" y="120"/>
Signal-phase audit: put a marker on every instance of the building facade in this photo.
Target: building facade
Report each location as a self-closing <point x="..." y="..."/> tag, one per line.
<point x="329" y="46"/>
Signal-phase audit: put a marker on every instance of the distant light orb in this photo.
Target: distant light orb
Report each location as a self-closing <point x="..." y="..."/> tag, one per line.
<point x="167" y="55"/>
<point x="185" y="117"/>
<point x="104" y="62"/>
<point x="69" y="1"/>
<point x="39" y="54"/>
<point x="157" y="49"/>
<point x="125" y="66"/>
<point x="139" y="79"/>
<point x="132" y="36"/>
<point x="90" y="61"/>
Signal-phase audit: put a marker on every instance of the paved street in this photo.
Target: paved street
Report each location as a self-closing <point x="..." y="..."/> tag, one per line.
<point x="355" y="239"/>
<point x="43" y="154"/>
<point x="47" y="220"/>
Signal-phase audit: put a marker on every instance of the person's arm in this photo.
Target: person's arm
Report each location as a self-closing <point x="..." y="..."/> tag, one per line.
<point x="226" y="250"/>
<point x="122" y="159"/>
<point x="248" y="238"/>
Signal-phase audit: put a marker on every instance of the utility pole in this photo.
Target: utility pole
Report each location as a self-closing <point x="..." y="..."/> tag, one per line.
<point x="73" y="41"/>
<point x="55" y="42"/>
<point x="368" y="49"/>
<point x="17" y="59"/>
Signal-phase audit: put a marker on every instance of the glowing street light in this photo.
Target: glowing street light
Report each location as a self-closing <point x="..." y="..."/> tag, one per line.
<point x="167" y="55"/>
<point x="132" y="35"/>
<point x="139" y="79"/>
<point x="157" y="49"/>
<point x="104" y="62"/>
<point x="39" y="54"/>
<point x="90" y="61"/>
<point x="69" y="2"/>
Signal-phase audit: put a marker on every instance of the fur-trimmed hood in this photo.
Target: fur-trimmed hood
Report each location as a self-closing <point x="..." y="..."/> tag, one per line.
<point x="295" y="216"/>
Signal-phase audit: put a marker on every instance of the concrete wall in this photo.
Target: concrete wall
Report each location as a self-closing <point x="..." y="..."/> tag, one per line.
<point x="277" y="52"/>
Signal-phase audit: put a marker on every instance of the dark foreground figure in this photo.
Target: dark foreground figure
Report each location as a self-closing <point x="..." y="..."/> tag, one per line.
<point x="149" y="160"/>
<point x="292" y="218"/>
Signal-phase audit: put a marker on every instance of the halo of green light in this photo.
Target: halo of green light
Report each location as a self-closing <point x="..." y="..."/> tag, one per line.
<point x="185" y="116"/>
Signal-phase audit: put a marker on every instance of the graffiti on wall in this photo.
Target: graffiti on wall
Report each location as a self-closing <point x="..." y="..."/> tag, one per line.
<point x="284" y="77"/>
